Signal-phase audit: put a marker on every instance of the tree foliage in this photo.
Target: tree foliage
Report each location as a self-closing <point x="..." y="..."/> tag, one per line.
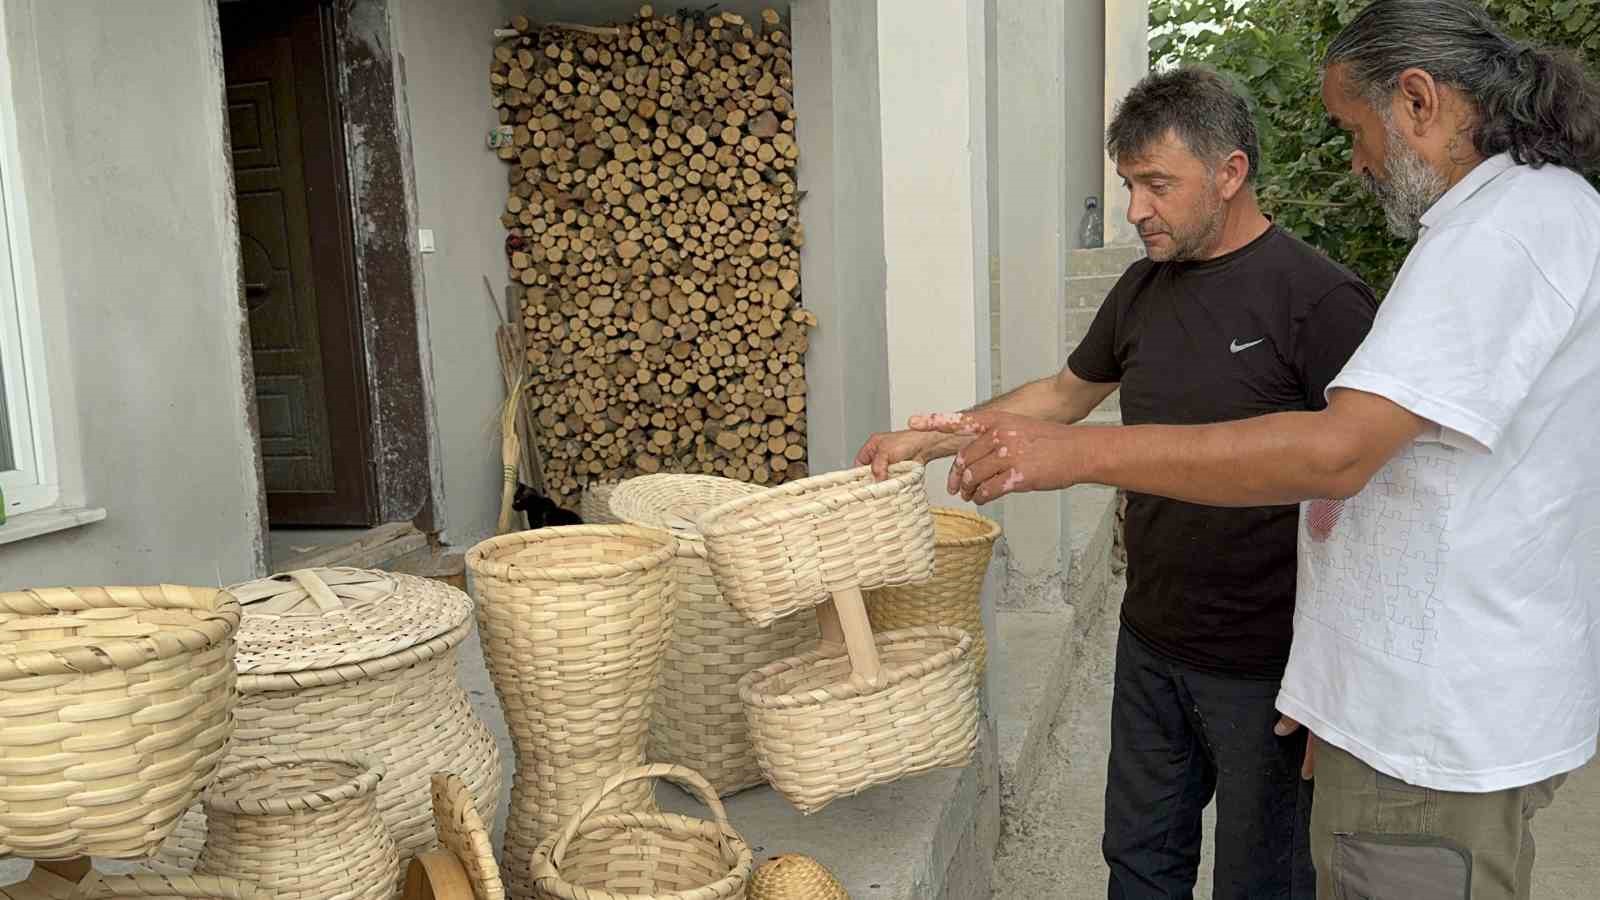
<point x="1274" y="48"/>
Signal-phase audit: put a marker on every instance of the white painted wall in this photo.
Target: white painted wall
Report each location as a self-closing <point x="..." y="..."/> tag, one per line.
<point x="444" y="54"/>
<point x="1127" y="59"/>
<point x="130" y="204"/>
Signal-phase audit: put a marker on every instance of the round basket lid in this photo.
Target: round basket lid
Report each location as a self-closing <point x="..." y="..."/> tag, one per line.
<point x="674" y="502"/>
<point x="321" y="618"/>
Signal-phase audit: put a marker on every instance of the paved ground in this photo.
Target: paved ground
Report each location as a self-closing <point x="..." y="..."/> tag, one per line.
<point x="1052" y="850"/>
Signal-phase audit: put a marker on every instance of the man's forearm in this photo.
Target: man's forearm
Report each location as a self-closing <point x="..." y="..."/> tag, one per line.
<point x="1042" y="399"/>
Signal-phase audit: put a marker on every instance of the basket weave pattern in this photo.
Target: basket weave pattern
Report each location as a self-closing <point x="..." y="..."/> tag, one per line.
<point x="301" y="828"/>
<point x="699" y="720"/>
<point x="114" y="704"/>
<point x="963" y="543"/>
<point x="96" y="886"/>
<point x="794" y="877"/>
<point x="574" y="623"/>
<point x="644" y="856"/>
<point x="784" y="550"/>
<point x="921" y="715"/>
<point x="462" y="832"/>
<point x="594" y="507"/>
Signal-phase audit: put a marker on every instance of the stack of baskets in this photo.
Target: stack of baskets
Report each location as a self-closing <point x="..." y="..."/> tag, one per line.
<point x="115" y="706"/>
<point x="340" y="661"/>
<point x="860" y="710"/>
<point x="574" y="623"/>
<point x="698" y="719"/>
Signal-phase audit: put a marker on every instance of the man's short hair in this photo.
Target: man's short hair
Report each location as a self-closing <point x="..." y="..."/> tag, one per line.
<point x="1208" y="112"/>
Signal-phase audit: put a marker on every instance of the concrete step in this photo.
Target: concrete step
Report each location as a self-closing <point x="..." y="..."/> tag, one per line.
<point x="1030" y="668"/>
<point x="1103" y="260"/>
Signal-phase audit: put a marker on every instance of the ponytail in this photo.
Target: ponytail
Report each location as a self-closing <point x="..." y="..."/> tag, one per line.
<point x="1546" y="112"/>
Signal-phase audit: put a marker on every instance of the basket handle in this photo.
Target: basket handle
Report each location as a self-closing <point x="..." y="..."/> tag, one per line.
<point x="206" y="887"/>
<point x="689" y="778"/>
<point x="843" y="620"/>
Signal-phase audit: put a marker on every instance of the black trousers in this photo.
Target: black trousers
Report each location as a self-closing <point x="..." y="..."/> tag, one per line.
<point x="1178" y="737"/>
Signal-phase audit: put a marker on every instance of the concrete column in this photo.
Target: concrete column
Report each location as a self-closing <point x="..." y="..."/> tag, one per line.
<point x="933" y="84"/>
<point x="842" y="262"/>
<point x="1127" y="41"/>
<point x="1037" y="225"/>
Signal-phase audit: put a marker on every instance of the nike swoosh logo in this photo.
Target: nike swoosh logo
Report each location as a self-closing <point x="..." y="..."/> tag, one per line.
<point x="1237" y="347"/>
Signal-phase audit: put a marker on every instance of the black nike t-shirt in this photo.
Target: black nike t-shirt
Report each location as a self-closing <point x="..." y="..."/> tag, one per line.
<point x="1261" y="330"/>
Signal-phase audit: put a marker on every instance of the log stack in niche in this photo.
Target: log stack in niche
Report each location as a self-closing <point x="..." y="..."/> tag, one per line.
<point x="653" y="235"/>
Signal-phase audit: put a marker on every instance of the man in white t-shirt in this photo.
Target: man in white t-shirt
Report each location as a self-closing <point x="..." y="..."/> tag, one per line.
<point x="1446" y="651"/>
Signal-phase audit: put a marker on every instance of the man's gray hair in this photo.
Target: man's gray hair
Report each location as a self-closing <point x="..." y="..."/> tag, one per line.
<point x="1206" y="111"/>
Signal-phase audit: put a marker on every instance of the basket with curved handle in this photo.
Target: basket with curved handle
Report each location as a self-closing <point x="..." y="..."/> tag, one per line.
<point x="97" y="886"/>
<point x="714" y="845"/>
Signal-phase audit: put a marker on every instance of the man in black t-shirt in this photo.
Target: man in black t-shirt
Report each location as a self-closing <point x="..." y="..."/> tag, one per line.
<point x="1229" y="317"/>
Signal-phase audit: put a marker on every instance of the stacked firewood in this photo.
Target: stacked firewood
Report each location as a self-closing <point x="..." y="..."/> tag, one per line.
<point x="654" y="233"/>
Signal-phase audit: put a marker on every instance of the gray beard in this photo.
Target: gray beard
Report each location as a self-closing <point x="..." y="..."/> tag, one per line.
<point x="1409" y="188"/>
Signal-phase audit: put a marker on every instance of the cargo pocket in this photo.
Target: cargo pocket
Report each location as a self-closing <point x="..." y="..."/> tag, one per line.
<point x="1400" y="867"/>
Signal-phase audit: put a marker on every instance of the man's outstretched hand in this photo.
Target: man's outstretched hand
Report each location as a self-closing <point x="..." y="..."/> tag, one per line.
<point x="887" y="448"/>
<point x="1007" y="454"/>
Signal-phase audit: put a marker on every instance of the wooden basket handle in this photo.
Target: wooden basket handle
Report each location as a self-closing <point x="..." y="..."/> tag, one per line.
<point x="689" y="778"/>
<point x="843" y="620"/>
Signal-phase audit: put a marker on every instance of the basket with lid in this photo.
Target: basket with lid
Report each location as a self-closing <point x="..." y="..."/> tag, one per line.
<point x="698" y="720"/>
<point x="114" y="703"/>
<point x="340" y="660"/>
<point x="861" y="709"/>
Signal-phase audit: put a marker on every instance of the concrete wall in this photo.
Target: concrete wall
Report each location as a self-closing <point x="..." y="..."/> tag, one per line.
<point x="1127" y="59"/>
<point x="1085" y="169"/>
<point x="130" y="204"/>
<point x="444" y="51"/>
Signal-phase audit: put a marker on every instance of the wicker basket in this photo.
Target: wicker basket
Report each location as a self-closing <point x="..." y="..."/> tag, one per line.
<point x="96" y="886"/>
<point x="921" y="713"/>
<point x="463" y="833"/>
<point x="643" y="856"/>
<point x="357" y="661"/>
<point x="594" y="507"/>
<point x="114" y="704"/>
<point x="574" y="623"/>
<point x="784" y="550"/>
<point x="301" y="827"/>
<point x="963" y="543"/>
<point x="698" y="720"/>
<point x="794" y="877"/>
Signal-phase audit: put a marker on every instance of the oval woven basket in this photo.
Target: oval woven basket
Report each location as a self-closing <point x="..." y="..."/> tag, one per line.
<point x="643" y="856"/>
<point x="347" y="660"/>
<point x="698" y="721"/>
<point x="963" y="544"/>
<point x="301" y="827"/>
<point x="96" y="886"/>
<point x="786" y="549"/>
<point x="922" y="714"/>
<point x="794" y="877"/>
<point x="114" y="703"/>
<point x="574" y="623"/>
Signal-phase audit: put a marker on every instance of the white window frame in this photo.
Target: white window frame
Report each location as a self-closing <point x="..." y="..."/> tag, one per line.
<point x="34" y="482"/>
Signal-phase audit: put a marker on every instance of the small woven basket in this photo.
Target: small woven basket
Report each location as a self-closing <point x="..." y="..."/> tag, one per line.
<point x="594" y="507"/>
<point x="698" y="720"/>
<point x="644" y="856"/>
<point x="821" y="734"/>
<point x="301" y="828"/>
<point x="96" y="886"/>
<point x="574" y="623"/>
<point x="794" y="877"/>
<point x="786" y="549"/>
<point x="963" y="543"/>
<point x="114" y="704"/>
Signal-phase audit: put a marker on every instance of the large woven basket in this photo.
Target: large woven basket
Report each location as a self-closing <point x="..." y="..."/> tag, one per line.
<point x="644" y="856"/>
<point x="698" y="720"/>
<point x="963" y="543"/>
<point x="114" y="707"/>
<point x="784" y="550"/>
<point x="821" y="735"/>
<point x="344" y="660"/>
<point x="301" y="827"/>
<point x="574" y="623"/>
<point x="97" y="886"/>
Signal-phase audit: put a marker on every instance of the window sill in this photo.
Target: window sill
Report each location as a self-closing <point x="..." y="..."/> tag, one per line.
<point x="47" y="521"/>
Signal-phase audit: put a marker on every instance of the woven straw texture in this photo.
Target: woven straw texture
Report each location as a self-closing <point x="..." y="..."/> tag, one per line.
<point x="114" y="704"/>
<point x="644" y="856"/>
<point x="785" y="550"/>
<point x="963" y="543"/>
<point x="921" y="714"/>
<point x="301" y="827"/>
<point x="96" y="886"/>
<point x="698" y="720"/>
<point x="406" y="709"/>
<point x="574" y="623"/>
<point x="594" y="507"/>
<point x="462" y="832"/>
<point x="794" y="877"/>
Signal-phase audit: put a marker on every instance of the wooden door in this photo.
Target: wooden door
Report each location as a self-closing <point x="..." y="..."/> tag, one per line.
<point x="296" y="248"/>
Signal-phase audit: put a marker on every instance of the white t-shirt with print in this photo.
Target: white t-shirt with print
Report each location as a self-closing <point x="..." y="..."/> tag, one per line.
<point x="1447" y="624"/>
